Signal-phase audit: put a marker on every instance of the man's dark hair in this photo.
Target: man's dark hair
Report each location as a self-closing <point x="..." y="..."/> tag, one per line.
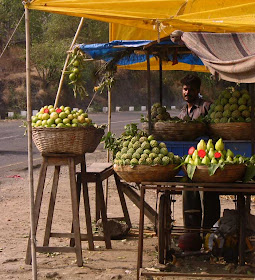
<point x="191" y="80"/>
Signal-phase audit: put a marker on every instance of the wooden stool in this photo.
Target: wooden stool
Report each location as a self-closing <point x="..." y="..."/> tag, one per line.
<point x="97" y="173"/>
<point x="59" y="160"/>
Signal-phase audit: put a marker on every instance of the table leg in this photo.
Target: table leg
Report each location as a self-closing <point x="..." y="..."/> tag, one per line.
<point x="141" y="228"/>
<point x="38" y="201"/>
<point x="87" y="206"/>
<point x="75" y="211"/>
<point x="53" y="196"/>
<point x="242" y="220"/>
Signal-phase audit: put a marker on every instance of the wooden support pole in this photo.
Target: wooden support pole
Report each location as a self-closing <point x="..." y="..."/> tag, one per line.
<point x="30" y="147"/>
<point x="252" y="95"/>
<point x="149" y="91"/>
<point x="66" y="63"/>
<point x="108" y="152"/>
<point x="160" y="82"/>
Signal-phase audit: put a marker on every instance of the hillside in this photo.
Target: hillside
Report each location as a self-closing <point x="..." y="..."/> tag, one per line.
<point x="130" y="88"/>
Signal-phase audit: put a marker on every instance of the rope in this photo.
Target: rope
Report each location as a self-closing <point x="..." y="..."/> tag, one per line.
<point x="12" y="35"/>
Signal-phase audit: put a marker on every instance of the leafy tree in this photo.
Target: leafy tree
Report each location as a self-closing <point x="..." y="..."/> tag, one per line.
<point x="48" y="58"/>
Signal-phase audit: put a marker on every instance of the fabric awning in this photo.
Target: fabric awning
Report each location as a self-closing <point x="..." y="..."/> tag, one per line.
<point x="126" y="55"/>
<point x="231" y="55"/>
<point x="163" y="15"/>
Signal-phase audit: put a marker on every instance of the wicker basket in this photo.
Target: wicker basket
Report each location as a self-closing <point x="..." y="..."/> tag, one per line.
<point x="176" y="131"/>
<point x="76" y="140"/>
<point x="230" y="131"/>
<point x="146" y="173"/>
<point x="230" y="174"/>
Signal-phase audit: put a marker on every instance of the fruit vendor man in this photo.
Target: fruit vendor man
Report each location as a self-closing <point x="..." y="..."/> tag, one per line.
<point x="199" y="208"/>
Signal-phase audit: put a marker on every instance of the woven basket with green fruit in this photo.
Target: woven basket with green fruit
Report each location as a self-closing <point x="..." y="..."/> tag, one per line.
<point x="62" y="130"/>
<point x="212" y="163"/>
<point x="230" y="115"/>
<point x="165" y="127"/>
<point x="138" y="157"/>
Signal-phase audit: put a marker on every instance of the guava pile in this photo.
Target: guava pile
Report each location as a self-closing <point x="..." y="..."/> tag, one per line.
<point x="48" y="116"/>
<point x="206" y="153"/>
<point x="144" y="150"/>
<point x="159" y="113"/>
<point x="231" y="106"/>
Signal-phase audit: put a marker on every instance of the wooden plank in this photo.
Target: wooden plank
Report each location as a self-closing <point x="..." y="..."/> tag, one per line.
<point x="98" y="167"/>
<point x="122" y="200"/>
<point x="84" y="236"/>
<point x="149" y="212"/>
<point x="47" y="249"/>
<point x="144" y="272"/>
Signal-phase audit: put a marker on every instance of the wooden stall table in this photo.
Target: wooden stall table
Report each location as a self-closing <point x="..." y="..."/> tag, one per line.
<point x="239" y="189"/>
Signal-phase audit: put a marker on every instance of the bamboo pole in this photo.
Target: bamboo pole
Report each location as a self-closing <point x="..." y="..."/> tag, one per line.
<point x="66" y="63"/>
<point x="160" y="82"/>
<point x="30" y="147"/>
<point x="149" y="91"/>
<point x="109" y="129"/>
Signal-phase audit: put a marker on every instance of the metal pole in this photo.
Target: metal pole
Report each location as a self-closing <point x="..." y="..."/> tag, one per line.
<point x="66" y="63"/>
<point x="160" y="82"/>
<point x="109" y="129"/>
<point x="30" y="147"/>
<point x="149" y="90"/>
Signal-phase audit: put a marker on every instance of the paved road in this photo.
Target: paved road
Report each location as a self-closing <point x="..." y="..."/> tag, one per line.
<point x="13" y="143"/>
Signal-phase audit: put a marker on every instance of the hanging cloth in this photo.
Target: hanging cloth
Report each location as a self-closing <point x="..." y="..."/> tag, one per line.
<point x="231" y="55"/>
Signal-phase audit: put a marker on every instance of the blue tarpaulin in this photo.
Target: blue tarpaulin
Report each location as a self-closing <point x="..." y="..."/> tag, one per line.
<point x="126" y="51"/>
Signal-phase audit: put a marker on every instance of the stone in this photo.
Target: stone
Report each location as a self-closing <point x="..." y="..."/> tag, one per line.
<point x="117" y="229"/>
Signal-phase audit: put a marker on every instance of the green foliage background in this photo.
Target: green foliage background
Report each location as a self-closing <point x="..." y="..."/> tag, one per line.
<point x="51" y="37"/>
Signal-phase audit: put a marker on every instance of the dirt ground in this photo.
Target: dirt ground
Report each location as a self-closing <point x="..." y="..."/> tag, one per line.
<point x="117" y="263"/>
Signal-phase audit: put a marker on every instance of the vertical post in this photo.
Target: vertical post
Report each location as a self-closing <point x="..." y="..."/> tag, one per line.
<point x="160" y="82"/>
<point x="141" y="228"/>
<point x="252" y="95"/>
<point x="66" y="62"/>
<point x="242" y="218"/>
<point x="30" y="147"/>
<point x="109" y="129"/>
<point x="149" y="90"/>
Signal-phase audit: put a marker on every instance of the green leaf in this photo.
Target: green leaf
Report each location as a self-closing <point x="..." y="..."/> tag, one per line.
<point x="212" y="169"/>
<point x="249" y="174"/>
<point x="191" y="170"/>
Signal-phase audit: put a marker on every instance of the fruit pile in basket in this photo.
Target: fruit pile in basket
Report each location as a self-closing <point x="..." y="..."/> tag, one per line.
<point x="210" y="159"/>
<point x="138" y="157"/>
<point x="141" y="149"/>
<point x="48" y="116"/>
<point x="232" y="105"/>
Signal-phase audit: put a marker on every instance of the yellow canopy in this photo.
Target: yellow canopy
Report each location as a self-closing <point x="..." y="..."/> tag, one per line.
<point x="166" y="15"/>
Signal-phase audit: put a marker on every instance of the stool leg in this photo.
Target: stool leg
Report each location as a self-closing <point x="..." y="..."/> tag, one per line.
<point x="97" y="205"/>
<point x="51" y="206"/>
<point x="107" y="238"/>
<point x="122" y="200"/>
<point x="87" y="207"/>
<point x="75" y="210"/>
<point x="78" y="188"/>
<point x="38" y="201"/>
